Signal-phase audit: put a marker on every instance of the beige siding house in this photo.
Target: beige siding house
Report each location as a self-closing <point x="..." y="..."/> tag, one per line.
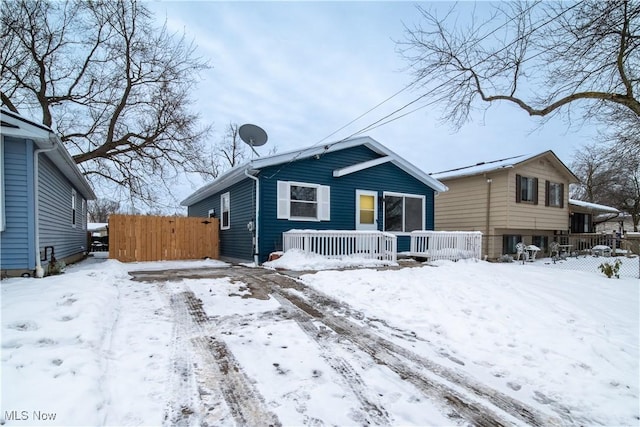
<point x="522" y="198"/>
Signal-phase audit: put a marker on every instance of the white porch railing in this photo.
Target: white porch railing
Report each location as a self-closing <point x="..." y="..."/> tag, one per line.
<point x="338" y="243"/>
<point x="451" y="245"/>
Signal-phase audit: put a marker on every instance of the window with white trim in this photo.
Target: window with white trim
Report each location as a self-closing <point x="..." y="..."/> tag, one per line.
<point x="73" y="208"/>
<point x="225" y="211"/>
<point x="299" y="201"/>
<point x="403" y="212"/>
<point x="212" y="213"/>
<point x="83" y="214"/>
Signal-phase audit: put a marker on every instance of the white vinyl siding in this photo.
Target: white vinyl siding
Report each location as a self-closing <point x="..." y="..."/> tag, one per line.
<point x="298" y="201"/>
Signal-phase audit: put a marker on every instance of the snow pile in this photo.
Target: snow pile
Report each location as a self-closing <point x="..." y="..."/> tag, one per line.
<point x="298" y="260"/>
<point x="560" y="340"/>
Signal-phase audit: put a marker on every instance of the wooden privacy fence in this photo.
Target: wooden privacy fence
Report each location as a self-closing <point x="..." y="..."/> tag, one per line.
<point x="156" y="238"/>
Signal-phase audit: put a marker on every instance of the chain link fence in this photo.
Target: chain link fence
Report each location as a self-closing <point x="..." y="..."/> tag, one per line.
<point x="598" y="253"/>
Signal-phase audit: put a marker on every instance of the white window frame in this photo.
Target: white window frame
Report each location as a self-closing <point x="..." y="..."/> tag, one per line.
<point x="404" y="210"/>
<point x="73" y="208"/>
<point x="83" y="214"/>
<point x="227" y="197"/>
<point x="211" y="213"/>
<point x="323" y="201"/>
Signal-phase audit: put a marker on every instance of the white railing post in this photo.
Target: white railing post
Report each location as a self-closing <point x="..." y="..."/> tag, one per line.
<point x="451" y="245"/>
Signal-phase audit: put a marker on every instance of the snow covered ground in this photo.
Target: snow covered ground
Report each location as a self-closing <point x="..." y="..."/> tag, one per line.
<point x="216" y="345"/>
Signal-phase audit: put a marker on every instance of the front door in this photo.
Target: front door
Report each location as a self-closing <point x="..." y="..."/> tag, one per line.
<point x="366" y="210"/>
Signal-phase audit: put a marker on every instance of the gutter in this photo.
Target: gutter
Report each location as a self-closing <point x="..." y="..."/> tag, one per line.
<point x="256" y="230"/>
<point x="39" y="270"/>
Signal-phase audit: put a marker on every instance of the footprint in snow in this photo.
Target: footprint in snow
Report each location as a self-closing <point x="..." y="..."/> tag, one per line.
<point x="24" y="326"/>
<point x="46" y="342"/>
<point x="514" y="386"/>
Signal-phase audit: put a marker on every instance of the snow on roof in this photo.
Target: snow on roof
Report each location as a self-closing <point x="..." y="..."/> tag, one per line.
<point x="238" y="173"/>
<point x="97" y="226"/>
<point x="494" y="165"/>
<point x="483" y="167"/>
<point x="593" y="206"/>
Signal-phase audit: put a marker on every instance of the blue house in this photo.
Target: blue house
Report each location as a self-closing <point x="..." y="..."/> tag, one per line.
<point x="356" y="184"/>
<point x="43" y="198"/>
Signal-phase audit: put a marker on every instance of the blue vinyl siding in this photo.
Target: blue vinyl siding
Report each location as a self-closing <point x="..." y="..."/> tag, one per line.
<point x="381" y="178"/>
<point x="16" y="241"/>
<point x="56" y="228"/>
<point x="237" y="241"/>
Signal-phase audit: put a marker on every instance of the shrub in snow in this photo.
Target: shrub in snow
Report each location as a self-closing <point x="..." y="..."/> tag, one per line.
<point x="611" y="270"/>
<point x="56" y="267"/>
<point x="505" y="258"/>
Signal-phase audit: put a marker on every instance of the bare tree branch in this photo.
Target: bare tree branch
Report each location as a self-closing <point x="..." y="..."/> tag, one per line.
<point x="543" y="57"/>
<point x="115" y="87"/>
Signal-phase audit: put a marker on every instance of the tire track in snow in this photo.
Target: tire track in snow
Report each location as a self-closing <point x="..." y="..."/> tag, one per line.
<point x="408" y="365"/>
<point x="180" y="408"/>
<point x="372" y="412"/>
<point x="219" y="370"/>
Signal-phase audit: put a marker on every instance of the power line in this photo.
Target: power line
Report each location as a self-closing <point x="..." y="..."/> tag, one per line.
<point x="378" y="123"/>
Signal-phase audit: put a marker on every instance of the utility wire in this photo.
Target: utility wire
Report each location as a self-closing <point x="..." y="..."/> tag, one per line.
<point x="380" y="122"/>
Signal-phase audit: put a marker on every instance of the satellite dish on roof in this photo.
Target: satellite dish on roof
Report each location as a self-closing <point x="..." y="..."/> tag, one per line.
<point x="253" y="136"/>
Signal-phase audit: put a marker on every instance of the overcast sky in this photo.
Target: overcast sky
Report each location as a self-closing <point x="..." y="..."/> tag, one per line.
<point x="302" y="70"/>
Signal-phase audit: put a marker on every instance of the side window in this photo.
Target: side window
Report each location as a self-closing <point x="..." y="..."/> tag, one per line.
<point x="526" y="189"/>
<point x="212" y="213"/>
<point x="83" y="214"/>
<point x="73" y="208"/>
<point x="225" y="211"/>
<point x="299" y="201"/>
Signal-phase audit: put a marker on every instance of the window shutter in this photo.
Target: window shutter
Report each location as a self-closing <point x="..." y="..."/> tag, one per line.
<point x="547" y="186"/>
<point x="562" y="195"/>
<point x="283" y="200"/>
<point x="518" y="188"/>
<point x="535" y="191"/>
<point x="324" y="203"/>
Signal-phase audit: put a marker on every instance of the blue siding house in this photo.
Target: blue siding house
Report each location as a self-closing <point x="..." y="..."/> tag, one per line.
<point x="43" y="199"/>
<point x="356" y="184"/>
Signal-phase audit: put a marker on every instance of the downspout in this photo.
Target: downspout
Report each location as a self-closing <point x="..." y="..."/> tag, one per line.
<point x="488" y="219"/>
<point x="36" y="193"/>
<point x="256" y="250"/>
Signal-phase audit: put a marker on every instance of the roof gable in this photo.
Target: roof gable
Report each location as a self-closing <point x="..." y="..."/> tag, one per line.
<point x="241" y="172"/>
<point x="507" y="163"/>
<point x="14" y="125"/>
